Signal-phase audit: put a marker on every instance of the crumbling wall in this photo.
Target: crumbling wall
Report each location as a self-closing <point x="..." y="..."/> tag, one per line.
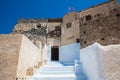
<point x="96" y="24"/>
<point x="103" y="8"/>
<point x="102" y="29"/>
<point x="54" y="36"/>
<point x="37" y="29"/>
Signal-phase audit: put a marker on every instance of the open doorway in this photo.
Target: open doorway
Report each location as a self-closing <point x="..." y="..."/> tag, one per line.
<point x="55" y="53"/>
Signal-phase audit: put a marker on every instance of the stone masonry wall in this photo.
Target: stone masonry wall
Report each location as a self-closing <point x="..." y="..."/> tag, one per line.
<point x="103" y="8"/>
<point x="37" y="29"/>
<point x="102" y="29"/>
<point x="92" y="25"/>
<point x="70" y="28"/>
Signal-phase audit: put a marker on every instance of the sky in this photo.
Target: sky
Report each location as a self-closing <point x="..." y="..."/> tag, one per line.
<point x="12" y="10"/>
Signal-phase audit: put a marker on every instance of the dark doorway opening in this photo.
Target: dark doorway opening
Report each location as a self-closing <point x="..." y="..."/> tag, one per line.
<point x="77" y="40"/>
<point x="55" y="53"/>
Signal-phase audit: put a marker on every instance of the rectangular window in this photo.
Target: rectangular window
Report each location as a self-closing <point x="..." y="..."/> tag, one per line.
<point x="118" y="15"/>
<point x="68" y="25"/>
<point x="88" y="17"/>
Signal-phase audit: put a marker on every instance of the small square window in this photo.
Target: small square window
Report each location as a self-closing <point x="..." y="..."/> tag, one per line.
<point x="38" y="25"/>
<point x="68" y="25"/>
<point x="88" y="17"/>
<point x="98" y="14"/>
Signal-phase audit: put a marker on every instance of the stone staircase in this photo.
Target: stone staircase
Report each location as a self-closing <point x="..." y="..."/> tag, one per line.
<point x="56" y="71"/>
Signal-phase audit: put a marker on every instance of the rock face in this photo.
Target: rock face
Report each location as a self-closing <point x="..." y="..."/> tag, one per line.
<point x="101" y="62"/>
<point x="17" y="54"/>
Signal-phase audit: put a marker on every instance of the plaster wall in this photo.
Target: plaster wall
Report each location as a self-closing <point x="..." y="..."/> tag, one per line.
<point x="101" y="62"/>
<point x="69" y="53"/>
<point x="54" y="41"/>
<point x="9" y="54"/>
<point x="89" y="58"/>
<point x="29" y="56"/>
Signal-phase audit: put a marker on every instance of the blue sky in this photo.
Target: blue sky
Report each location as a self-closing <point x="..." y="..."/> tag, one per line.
<point x="12" y="10"/>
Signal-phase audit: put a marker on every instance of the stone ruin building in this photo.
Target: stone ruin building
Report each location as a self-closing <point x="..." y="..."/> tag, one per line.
<point x="99" y="23"/>
<point x="22" y="52"/>
<point x="40" y="30"/>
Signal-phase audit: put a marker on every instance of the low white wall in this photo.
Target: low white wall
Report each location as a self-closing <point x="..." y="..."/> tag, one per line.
<point x="91" y="62"/>
<point x="29" y="56"/>
<point x="101" y="62"/>
<point x="69" y="53"/>
<point x="48" y="53"/>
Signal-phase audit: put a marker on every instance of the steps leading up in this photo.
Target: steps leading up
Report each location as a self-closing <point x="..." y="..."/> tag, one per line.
<point x="55" y="73"/>
<point x="55" y="77"/>
<point x="57" y="69"/>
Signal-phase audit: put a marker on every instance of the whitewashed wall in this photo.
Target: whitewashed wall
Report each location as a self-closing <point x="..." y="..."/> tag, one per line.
<point x="48" y="53"/>
<point x="69" y="53"/>
<point x="90" y="58"/>
<point x="29" y="56"/>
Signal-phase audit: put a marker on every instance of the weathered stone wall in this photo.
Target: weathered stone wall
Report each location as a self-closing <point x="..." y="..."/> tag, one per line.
<point x="70" y="28"/>
<point x="37" y="20"/>
<point x="103" y="8"/>
<point x="18" y="57"/>
<point x="37" y="29"/>
<point x="102" y="29"/>
<point x="9" y="54"/>
<point x="96" y="24"/>
<point x="19" y="27"/>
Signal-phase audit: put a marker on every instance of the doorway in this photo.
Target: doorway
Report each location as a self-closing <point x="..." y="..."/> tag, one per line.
<point x="55" y="53"/>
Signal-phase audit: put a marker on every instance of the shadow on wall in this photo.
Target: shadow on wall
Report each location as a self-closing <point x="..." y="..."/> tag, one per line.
<point x="69" y="53"/>
<point x="89" y="57"/>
